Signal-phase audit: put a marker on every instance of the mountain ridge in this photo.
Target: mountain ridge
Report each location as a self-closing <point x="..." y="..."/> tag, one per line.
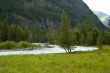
<point x="45" y="13"/>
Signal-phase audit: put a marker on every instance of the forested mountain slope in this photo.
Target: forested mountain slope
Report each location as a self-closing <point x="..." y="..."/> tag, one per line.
<point x="46" y="13"/>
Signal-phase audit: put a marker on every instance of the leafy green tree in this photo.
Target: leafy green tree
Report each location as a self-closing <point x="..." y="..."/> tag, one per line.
<point x="65" y="33"/>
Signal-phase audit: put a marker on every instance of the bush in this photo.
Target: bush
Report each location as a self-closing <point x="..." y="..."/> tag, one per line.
<point x="8" y="45"/>
<point x="24" y="44"/>
<point x="1" y="45"/>
<point x="14" y="45"/>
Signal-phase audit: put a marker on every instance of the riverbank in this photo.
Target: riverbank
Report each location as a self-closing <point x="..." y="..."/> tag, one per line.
<point x="79" y="62"/>
<point x="55" y="49"/>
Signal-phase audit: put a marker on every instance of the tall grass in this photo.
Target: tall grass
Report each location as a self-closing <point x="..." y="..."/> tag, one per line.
<point x="78" y="62"/>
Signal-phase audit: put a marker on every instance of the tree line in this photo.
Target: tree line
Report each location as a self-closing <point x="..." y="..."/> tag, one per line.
<point x="86" y="34"/>
<point x="66" y="36"/>
<point x="12" y="32"/>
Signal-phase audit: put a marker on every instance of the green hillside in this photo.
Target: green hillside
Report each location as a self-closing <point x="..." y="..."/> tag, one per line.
<point x="45" y="13"/>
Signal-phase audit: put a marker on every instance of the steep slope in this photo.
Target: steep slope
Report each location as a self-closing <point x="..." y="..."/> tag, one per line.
<point x="103" y="17"/>
<point x="45" y="13"/>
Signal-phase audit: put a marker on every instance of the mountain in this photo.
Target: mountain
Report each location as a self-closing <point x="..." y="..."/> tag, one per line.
<point x="103" y="17"/>
<point x="46" y="13"/>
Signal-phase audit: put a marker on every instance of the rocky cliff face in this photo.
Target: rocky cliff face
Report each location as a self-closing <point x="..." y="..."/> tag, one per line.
<point x="45" y="13"/>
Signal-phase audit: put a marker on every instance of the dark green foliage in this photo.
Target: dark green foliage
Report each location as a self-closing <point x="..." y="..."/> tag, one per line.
<point x="99" y="42"/>
<point x="75" y="36"/>
<point x="82" y="39"/>
<point x="65" y="33"/>
<point x="36" y="12"/>
<point x="33" y="20"/>
<point x="16" y="33"/>
<point x="79" y="36"/>
<point x="106" y="37"/>
<point x="11" y="32"/>
<point x="37" y="35"/>
<point x="90" y="38"/>
<point x="100" y="39"/>
<point x="88" y="33"/>
<point x="52" y="36"/>
<point x="3" y="30"/>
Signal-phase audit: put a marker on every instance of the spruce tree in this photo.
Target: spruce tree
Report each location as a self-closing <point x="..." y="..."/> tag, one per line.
<point x="3" y="30"/>
<point x="65" y="33"/>
<point x="12" y="32"/>
<point x="19" y="33"/>
<point x="100" y="40"/>
<point x="16" y="33"/>
<point x="90" y="38"/>
<point x="82" y="39"/>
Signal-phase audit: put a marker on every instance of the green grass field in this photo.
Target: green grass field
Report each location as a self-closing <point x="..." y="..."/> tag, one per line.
<point x="78" y="62"/>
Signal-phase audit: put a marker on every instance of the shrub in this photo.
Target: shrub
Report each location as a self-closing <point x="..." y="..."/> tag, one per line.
<point x="14" y="45"/>
<point x="7" y="45"/>
<point x="1" y="45"/>
<point x="24" y="44"/>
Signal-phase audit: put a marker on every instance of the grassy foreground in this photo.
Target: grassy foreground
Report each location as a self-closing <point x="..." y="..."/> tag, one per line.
<point x="79" y="62"/>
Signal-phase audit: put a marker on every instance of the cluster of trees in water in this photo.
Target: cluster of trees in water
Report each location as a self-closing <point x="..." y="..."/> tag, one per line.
<point x="85" y="34"/>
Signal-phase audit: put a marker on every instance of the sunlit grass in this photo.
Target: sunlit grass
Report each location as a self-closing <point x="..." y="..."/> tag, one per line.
<point x="78" y="62"/>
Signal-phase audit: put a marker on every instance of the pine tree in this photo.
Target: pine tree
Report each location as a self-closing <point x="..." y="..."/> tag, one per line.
<point x="16" y="33"/>
<point x="65" y="33"/>
<point x="19" y="33"/>
<point x="12" y="33"/>
<point x="100" y="40"/>
<point x="90" y="38"/>
<point x="3" y="30"/>
<point x="51" y="36"/>
<point x="82" y="39"/>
